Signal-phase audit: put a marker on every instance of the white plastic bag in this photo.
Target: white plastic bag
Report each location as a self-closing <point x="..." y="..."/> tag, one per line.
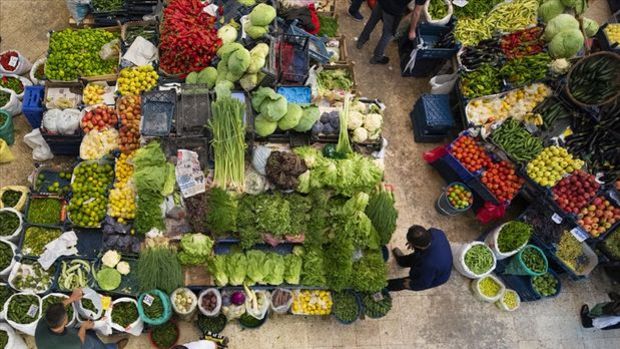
<point x="283" y="308"/>
<point x="218" y="297"/>
<point x="14" y="105"/>
<point x="191" y="308"/>
<point x="135" y="328"/>
<point x="95" y="297"/>
<point x="71" y="321"/>
<point x="262" y="309"/>
<point x="33" y="70"/>
<point x="24" y="80"/>
<point x="110" y="50"/>
<point x="78" y="9"/>
<point x="40" y="150"/>
<point x="443" y="84"/>
<point x="491" y="241"/>
<point x="15" y="235"/>
<point x="24" y="268"/>
<point x="69" y="121"/>
<point x="437" y="21"/>
<point x="4" y="273"/>
<point x="475" y="288"/>
<point x="50" y="121"/>
<point x="17" y="65"/>
<point x="14" y="341"/>
<point x="259" y="159"/>
<point x="458" y="260"/>
<point x="28" y="328"/>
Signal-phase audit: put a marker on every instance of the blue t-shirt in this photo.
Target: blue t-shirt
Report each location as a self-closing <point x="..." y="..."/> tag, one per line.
<point x="431" y="267"/>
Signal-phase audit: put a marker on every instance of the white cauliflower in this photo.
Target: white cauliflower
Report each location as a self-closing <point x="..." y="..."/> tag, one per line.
<point x="123" y="268"/>
<point x="360" y="135"/>
<point x="356" y="119"/>
<point x="560" y="66"/>
<point x="373" y="122"/>
<point x="111" y="258"/>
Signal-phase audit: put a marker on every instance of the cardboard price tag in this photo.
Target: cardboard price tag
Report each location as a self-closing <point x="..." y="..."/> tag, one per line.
<point x="148" y="300"/>
<point x="13" y="61"/>
<point x="556" y="218"/>
<point x="33" y="310"/>
<point x="579" y="234"/>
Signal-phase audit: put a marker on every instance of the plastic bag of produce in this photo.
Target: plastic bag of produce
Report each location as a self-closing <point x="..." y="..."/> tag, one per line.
<point x="5" y="193"/>
<point x="281" y="300"/>
<point x="13" y="237"/>
<point x="7" y="131"/>
<point x="23" y="322"/>
<point x="94" y="297"/>
<point x="510" y="301"/>
<point x="6" y="271"/>
<point x="134" y="328"/>
<point x="25" y="82"/>
<point x="14" y="105"/>
<point x="14" y="341"/>
<point x="491" y="241"/>
<point x="443" y="84"/>
<point x="148" y="300"/>
<point x="257" y="303"/>
<point x="488" y="289"/>
<point x="40" y="150"/>
<point x="71" y="320"/>
<point x="50" y="121"/>
<point x="69" y="121"/>
<point x="458" y="259"/>
<point x="184" y="302"/>
<point x="13" y="62"/>
<point x="259" y="160"/>
<point x="33" y="71"/>
<point x="210" y="302"/>
<point x="436" y="21"/>
<point x="520" y="264"/>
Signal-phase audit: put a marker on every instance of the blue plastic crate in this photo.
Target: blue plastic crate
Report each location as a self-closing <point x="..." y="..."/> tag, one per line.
<point x="33" y="105"/>
<point x="436" y="112"/>
<point x="427" y="36"/>
<point x="296" y="94"/>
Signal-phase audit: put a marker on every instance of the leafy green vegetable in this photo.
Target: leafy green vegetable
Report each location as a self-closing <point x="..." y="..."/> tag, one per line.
<point x="159" y="268"/>
<point x="329" y="26"/>
<point x="256" y="270"/>
<point x="313" y="272"/>
<point x="274" y="267"/>
<point x="369" y="272"/>
<point x="236" y="268"/>
<point x="124" y="313"/>
<point x="165" y="336"/>
<point x="533" y="259"/>
<point x="292" y="272"/>
<point x="44" y="211"/>
<point x="479" y="259"/>
<point x="218" y="268"/>
<point x="546" y="285"/>
<point x="382" y="214"/>
<point x="335" y="79"/>
<point x="513" y="235"/>
<point x="10" y="198"/>
<point x="9" y="222"/>
<point x="221" y="211"/>
<point x="376" y="305"/>
<point x="195" y="249"/>
<point x="35" y="239"/>
<point x="150" y="178"/>
<point x="228" y="142"/>
<point x="273" y="215"/>
<point x="345" y="306"/>
<point x="108" y="279"/>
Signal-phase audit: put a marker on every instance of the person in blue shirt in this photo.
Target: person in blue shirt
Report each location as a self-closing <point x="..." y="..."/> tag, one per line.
<point x="430" y="263"/>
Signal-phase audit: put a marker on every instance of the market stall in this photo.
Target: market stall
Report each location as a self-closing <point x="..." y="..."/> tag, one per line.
<point x="538" y="96"/>
<point x="226" y="170"/>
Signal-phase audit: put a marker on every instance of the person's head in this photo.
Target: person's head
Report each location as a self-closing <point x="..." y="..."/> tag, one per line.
<point x="418" y="237"/>
<point x="56" y="316"/>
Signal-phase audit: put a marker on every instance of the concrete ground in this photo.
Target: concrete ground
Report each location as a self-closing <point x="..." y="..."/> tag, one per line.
<point x="445" y="317"/>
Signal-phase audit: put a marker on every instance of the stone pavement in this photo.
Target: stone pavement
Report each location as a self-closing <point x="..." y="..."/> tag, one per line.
<point x="446" y="317"/>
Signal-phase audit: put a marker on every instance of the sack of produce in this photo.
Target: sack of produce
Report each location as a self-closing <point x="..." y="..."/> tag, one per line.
<point x="13" y="62"/>
<point x="213" y="324"/>
<point x="443" y="84"/>
<point x="436" y="12"/>
<point x="474" y="260"/>
<point x="123" y="316"/>
<point x="233" y="304"/>
<point x="546" y="285"/>
<point x="210" y="302"/>
<point x="257" y="303"/>
<point x="15" y="83"/>
<point x="376" y="305"/>
<point x="14" y="196"/>
<point x="281" y="300"/>
<point x="28" y="275"/>
<point x="10" y="103"/>
<point x="7" y="130"/>
<point x="154" y="307"/>
<point x="508" y="239"/>
<point x="5" y="292"/>
<point x="531" y="261"/>
<point x="510" y="301"/>
<point x="10" y="339"/>
<point x="54" y="298"/>
<point x="7" y="257"/>
<point x="164" y="336"/>
<point x="37" y="73"/>
<point x="89" y="307"/>
<point x="184" y="302"/>
<point x="346" y="307"/>
<point x="11" y="224"/>
<point x="22" y="311"/>
<point x="488" y="289"/>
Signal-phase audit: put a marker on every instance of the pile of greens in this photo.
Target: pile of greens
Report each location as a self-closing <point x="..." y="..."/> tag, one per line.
<point x="213" y="324"/>
<point x="329" y="26"/>
<point x="195" y="249"/>
<point x="513" y="235"/>
<point x="52" y="299"/>
<point x="5" y="293"/>
<point x="370" y="272"/>
<point x="345" y="307"/>
<point x="10" y="198"/>
<point x="335" y="79"/>
<point x="228" y="142"/>
<point x="256" y="267"/>
<point x="534" y="260"/>
<point x="382" y="214"/>
<point x="35" y="239"/>
<point x="376" y="305"/>
<point x="6" y="255"/>
<point x="124" y="313"/>
<point x="9" y="222"/>
<point x="313" y="271"/>
<point x="479" y="259"/>
<point x="88" y="304"/>
<point x="221" y="212"/>
<point x="159" y="268"/>
<point x="546" y="285"/>
<point x="611" y="244"/>
<point x="44" y="211"/>
<point x="165" y="336"/>
<point x="4" y="338"/>
<point x="18" y="309"/>
<point x="155" y="310"/>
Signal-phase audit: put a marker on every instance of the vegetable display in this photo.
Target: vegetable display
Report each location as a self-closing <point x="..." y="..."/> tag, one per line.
<point x="525" y="43"/>
<point x="611" y="244"/>
<point x="222" y="211"/>
<point x="516" y="141"/>
<point x="165" y="336"/>
<point x="74" y="274"/>
<point x="552" y="110"/>
<point x="5" y="97"/>
<point x="44" y="211"/>
<point x="121" y="204"/>
<point x="135" y="80"/>
<point x="12" y="83"/>
<point x="574" y="192"/>
<point x="108" y="279"/>
<point x="99" y="118"/>
<point x="334" y="79"/>
<point x="479" y="259"/>
<point x="502" y="180"/>
<point x="280" y="297"/>
<point x="466" y="150"/>
<point x="546" y="285"/>
<point x="489" y="287"/>
<point x="89" y="202"/>
<point x="209" y="301"/>
<point x="184" y="300"/>
<point x="213" y="324"/>
<point x="52" y="299"/>
<point x="312" y="302"/>
<point x="195" y="249"/>
<point x="438" y="9"/>
<point x="226" y="125"/>
<point x="571" y="252"/>
<point x="513" y="235"/>
<point x="510" y="299"/>
<point x="88" y="304"/>
<point x="18" y="309"/>
<point x="130" y="114"/>
<point x="4" y="338"/>
<point x="6" y="255"/>
<point x="259" y="19"/>
<point x="284" y="168"/>
<point x="534" y="260"/>
<point x="345" y="307"/>
<point x="5" y="293"/>
<point x="329" y="26"/>
<point x="525" y="70"/>
<point x="30" y="276"/>
<point x="10" y="198"/>
<point x="382" y="214"/>
<point x="595" y="79"/>
<point x="159" y="268"/>
<point x="35" y="239"/>
<point x="485" y="80"/>
<point x="599" y="216"/>
<point x="156" y="309"/>
<point x="459" y="196"/>
<point x="124" y="313"/>
<point x="551" y="164"/>
<point x="376" y="305"/>
<point x="9" y="222"/>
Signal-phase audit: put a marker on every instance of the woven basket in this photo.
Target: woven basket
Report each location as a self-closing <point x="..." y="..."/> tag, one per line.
<point x="611" y="55"/>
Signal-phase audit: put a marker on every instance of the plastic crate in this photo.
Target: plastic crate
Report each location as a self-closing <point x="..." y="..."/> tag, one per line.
<point x="423" y="67"/>
<point x="22" y="237"/>
<point x="90" y="242"/>
<point x="194" y="110"/>
<point x="198" y="144"/>
<point x="158" y="108"/>
<point x="32" y="105"/>
<point x="293" y="60"/>
<point x="481" y="190"/>
<point x="63" y="144"/>
<point x="420" y="135"/>
<point x="436" y="112"/>
<point x="296" y="94"/>
<point x="427" y="36"/>
<point x="316" y="46"/>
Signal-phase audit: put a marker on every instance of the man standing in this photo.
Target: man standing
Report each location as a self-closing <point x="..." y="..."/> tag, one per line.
<point x="430" y="263"/>
<point x="52" y="333"/>
<point x="391" y="12"/>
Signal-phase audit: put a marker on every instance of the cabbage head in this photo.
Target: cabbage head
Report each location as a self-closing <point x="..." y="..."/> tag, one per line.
<point x="309" y="116"/>
<point x="256" y="31"/>
<point x="559" y="23"/>
<point x="590" y="27"/>
<point x="226" y="50"/>
<point x="227" y="33"/>
<point x="108" y="279"/>
<point x="262" y="15"/>
<point x="275" y="109"/>
<point x="207" y="76"/>
<point x="238" y="62"/>
<point x="549" y="9"/>
<point x="581" y="7"/>
<point x="291" y="118"/>
<point x="566" y="44"/>
<point x="263" y="126"/>
<point x="570" y="3"/>
<point x="249" y="81"/>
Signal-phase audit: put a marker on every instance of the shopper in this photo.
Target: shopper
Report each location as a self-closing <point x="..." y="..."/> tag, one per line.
<point x="391" y="12"/>
<point x="430" y="263"/>
<point x="354" y="10"/>
<point x="52" y="333"/>
<point x="604" y="316"/>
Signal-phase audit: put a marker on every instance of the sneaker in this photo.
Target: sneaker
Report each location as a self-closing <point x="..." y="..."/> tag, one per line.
<point x="122" y="343"/>
<point x="586" y="321"/>
<point x="359" y="44"/>
<point x="382" y="60"/>
<point x="357" y="16"/>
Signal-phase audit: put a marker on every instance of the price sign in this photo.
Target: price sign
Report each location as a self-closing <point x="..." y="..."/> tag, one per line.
<point x="13" y="61"/>
<point x="148" y="300"/>
<point x="106" y="302"/>
<point x="377" y="297"/>
<point x="33" y="310"/>
<point x="556" y="218"/>
<point x="579" y="234"/>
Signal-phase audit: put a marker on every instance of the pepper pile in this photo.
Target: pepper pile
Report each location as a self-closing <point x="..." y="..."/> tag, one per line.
<point x="12" y="83"/>
<point x="522" y="43"/>
<point x="188" y="38"/>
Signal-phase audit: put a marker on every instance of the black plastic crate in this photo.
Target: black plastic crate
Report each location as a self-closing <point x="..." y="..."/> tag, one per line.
<point x="63" y="144"/>
<point x="427" y="36"/>
<point x="420" y="134"/>
<point x="435" y="112"/>
<point x="193" y="111"/>
<point x="158" y="109"/>
<point x="293" y="60"/>
<point x="199" y="144"/>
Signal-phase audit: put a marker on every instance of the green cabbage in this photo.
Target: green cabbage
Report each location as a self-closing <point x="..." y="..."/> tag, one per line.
<point x="590" y="27"/>
<point x="550" y="9"/>
<point x="566" y="44"/>
<point x="263" y="126"/>
<point x="108" y="279"/>
<point x="255" y="31"/>
<point x="208" y="76"/>
<point x="291" y="118"/>
<point x="249" y="81"/>
<point x="274" y="110"/>
<point x="292" y="273"/>
<point x="217" y="268"/>
<point x="191" y="78"/>
<point x="195" y="249"/>
<point x="570" y="3"/>
<point x="262" y="15"/>
<point x="227" y="33"/>
<point x="581" y="7"/>
<point x="238" y="62"/>
<point x="309" y="116"/>
<point x="171" y="180"/>
<point x="274" y="267"/>
<point x="558" y="24"/>
<point x="236" y="268"/>
<point x="226" y="49"/>
<point x="256" y="270"/>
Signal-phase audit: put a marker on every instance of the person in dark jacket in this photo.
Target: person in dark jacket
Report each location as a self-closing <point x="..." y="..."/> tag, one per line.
<point x="390" y="12"/>
<point x="605" y="316"/>
<point x="430" y="263"/>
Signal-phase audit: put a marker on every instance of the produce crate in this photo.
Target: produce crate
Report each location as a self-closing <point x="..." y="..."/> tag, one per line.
<point x="343" y="53"/>
<point x="349" y="67"/>
<point x="296" y="94"/>
<point x="317" y="50"/>
<point x="197" y="143"/>
<point x="51" y="175"/>
<point x="150" y="25"/>
<point x="293" y="59"/>
<point x="90" y="242"/>
<point x="54" y="274"/>
<point x="603" y="39"/>
<point x="69" y="90"/>
<point x="427" y="36"/>
<point x="32" y="106"/>
<point x="436" y="113"/>
<point x="194" y="110"/>
<point x="90" y="277"/>
<point x="63" y="144"/>
<point x="63" y="210"/>
<point x="423" y="67"/>
<point x="22" y="238"/>
<point x="158" y="109"/>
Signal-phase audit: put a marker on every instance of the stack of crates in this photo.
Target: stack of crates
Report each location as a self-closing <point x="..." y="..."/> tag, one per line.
<point x="432" y="118"/>
<point x="428" y="59"/>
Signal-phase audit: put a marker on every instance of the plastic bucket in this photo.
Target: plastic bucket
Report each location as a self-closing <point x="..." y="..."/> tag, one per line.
<point x="6" y="127"/>
<point x="443" y="205"/>
<point x="517" y="266"/>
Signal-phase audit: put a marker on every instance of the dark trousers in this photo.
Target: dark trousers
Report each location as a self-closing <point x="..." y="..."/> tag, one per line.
<point x="390" y="24"/>
<point x="398" y="284"/>
<point x="355" y="5"/>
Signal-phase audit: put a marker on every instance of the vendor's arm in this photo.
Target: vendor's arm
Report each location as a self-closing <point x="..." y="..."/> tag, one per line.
<point x="421" y="278"/>
<point x="415" y="18"/>
<point x="75" y="296"/>
<point x="86" y="325"/>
